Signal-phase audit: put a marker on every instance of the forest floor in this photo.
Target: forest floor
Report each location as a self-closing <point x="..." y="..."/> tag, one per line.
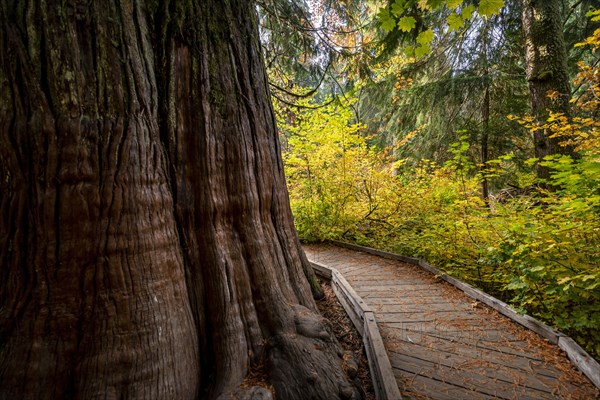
<point x="348" y="336"/>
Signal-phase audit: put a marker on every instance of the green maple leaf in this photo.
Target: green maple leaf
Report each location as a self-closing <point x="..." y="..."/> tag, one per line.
<point x="422" y="50"/>
<point x="387" y="22"/>
<point x="423" y="5"/>
<point x="455" y="22"/>
<point x="487" y="8"/>
<point x="398" y="8"/>
<point x="433" y="4"/>
<point x="383" y="13"/>
<point x="467" y="12"/>
<point x="388" y="25"/>
<point x="453" y="3"/>
<point x="407" y="24"/>
<point x="425" y="37"/>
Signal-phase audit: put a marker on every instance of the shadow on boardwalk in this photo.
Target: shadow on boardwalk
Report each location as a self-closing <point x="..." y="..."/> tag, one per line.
<point x="444" y="345"/>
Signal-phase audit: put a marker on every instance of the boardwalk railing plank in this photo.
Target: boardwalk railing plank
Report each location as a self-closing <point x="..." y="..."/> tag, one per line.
<point x="355" y="307"/>
<point x="379" y="363"/>
<point x="361" y="315"/>
<point x="583" y="360"/>
<point x="321" y="270"/>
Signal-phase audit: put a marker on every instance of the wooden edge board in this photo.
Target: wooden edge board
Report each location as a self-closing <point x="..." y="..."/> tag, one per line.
<point x="578" y="356"/>
<point x="384" y="381"/>
<point x="354" y="313"/>
<point x="581" y="358"/>
<point x="353" y="305"/>
<point x="321" y="269"/>
<point x="376" y="252"/>
<point x="339" y="279"/>
<point x="363" y="318"/>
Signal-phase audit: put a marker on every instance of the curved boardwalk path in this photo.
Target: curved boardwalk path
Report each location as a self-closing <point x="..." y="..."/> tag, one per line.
<point x="444" y="345"/>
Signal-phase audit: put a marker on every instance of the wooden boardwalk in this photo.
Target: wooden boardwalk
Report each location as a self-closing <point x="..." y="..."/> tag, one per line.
<point x="444" y="345"/>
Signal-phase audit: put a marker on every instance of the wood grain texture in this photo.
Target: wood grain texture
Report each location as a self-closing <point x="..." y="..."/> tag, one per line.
<point x="363" y="319"/>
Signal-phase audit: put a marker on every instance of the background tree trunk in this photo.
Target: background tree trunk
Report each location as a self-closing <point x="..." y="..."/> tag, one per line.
<point x="485" y="117"/>
<point x="147" y="244"/>
<point x="546" y="70"/>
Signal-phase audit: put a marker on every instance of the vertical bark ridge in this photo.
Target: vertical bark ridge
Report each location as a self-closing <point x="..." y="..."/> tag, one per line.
<point x="107" y="312"/>
<point x="231" y="199"/>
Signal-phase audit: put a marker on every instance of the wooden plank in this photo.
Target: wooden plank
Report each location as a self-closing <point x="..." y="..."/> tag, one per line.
<point x="374" y="267"/>
<point x="376" y="252"/>
<point x="435" y="330"/>
<point x="422" y="386"/>
<point x="387" y="281"/>
<point x="510" y="355"/>
<point x="419" y="287"/>
<point x="431" y="316"/>
<point x="379" y="364"/>
<point x="378" y="275"/>
<point x="397" y="270"/>
<point x="322" y="270"/>
<point x="347" y="268"/>
<point x="349" y="306"/>
<point x="482" y="384"/>
<point x="349" y="290"/>
<point x="432" y="294"/>
<point x="498" y="305"/>
<point x="525" y="320"/>
<point x="581" y="359"/>
<point x="473" y="362"/>
<point x="400" y="301"/>
<point x="355" y="307"/>
<point x="420" y="307"/>
<point x="473" y="336"/>
<point x="416" y="330"/>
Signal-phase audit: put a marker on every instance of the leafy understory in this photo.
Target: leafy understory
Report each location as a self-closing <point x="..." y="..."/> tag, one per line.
<point x="535" y="245"/>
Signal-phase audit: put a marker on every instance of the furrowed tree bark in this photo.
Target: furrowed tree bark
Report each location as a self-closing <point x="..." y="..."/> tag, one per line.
<point x="93" y="294"/>
<point x="146" y="240"/>
<point x="546" y="70"/>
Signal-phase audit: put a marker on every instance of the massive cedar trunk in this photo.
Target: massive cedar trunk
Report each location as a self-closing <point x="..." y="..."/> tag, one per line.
<point x="546" y="70"/>
<point x="146" y="240"/>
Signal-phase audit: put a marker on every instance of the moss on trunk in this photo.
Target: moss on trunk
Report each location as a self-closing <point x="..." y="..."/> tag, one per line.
<point x="546" y="70"/>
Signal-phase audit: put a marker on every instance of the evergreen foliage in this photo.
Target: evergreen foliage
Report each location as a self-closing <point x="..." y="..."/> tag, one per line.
<point x="536" y="248"/>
